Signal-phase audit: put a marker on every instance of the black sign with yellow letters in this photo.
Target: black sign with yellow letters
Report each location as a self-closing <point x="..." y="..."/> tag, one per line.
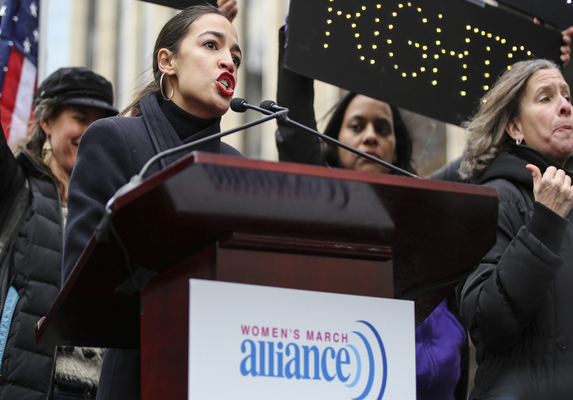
<point x="436" y="58"/>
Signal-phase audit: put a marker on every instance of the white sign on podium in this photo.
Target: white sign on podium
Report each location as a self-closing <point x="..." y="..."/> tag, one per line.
<point x="257" y="342"/>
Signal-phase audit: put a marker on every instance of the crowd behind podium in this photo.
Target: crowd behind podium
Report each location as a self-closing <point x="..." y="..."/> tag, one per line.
<point x="514" y="304"/>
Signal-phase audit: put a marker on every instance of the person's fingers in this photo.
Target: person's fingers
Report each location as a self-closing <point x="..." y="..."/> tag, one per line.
<point x="552" y="189"/>
<point x="229" y="7"/>
<point x="559" y="178"/>
<point x="566" y="50"/>
<point x="550" y="175"/>
<point x="568" y="31"/>
<point x="535" y="173"/>
<point x="566" y="185"/>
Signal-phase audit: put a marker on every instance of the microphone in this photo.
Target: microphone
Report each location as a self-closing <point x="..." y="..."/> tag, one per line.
<point x="271" y="106"/>
<point x="266" y="108"/>
<point x="239" y="105"/>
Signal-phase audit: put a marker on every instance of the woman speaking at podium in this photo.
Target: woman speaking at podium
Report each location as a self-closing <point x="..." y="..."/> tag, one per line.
<point x="195" y="62"/>
<point x="517" y="301"/>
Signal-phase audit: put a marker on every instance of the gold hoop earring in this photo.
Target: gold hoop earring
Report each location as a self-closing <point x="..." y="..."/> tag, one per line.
<point x="47" y="151"/>
<point x="161" y="88"/>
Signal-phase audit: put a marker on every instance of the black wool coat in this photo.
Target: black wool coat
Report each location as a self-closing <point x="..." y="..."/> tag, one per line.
<point x="111" y="151"/>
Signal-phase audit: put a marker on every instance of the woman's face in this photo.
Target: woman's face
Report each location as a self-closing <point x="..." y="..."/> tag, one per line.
<point x="203" y="74"/>
<point x="368" y="126"/>
<point x="65" y="131"/>
<point x="545" y="122"/>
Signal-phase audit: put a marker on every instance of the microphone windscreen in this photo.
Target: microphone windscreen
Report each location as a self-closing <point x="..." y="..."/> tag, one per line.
<point x="268" y="105"/>
<point x="239" y="105"/>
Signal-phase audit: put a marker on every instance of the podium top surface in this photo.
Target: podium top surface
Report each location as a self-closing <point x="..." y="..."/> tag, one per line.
<point x="437" y="232"/>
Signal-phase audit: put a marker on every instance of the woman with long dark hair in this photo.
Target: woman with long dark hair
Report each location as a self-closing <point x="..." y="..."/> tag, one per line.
<point x="195" y="63"/>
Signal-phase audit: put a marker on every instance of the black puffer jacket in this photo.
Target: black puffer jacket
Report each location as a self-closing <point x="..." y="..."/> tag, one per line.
<point x="30" y="260"/>
<point x="517" y="302"/>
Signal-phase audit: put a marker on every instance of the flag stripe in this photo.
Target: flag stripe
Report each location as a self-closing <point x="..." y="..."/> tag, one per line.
<point x="22" y="109"/>
<point x="18" y="64"/>
<point x="10" y="88"/>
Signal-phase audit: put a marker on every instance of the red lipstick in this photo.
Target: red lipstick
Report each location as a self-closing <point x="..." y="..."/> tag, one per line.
<point x="226" y="83"/>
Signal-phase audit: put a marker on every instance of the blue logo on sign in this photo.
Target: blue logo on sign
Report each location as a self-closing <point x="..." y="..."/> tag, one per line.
<point x="370" y="363"/>
<point x="355" y="363"/>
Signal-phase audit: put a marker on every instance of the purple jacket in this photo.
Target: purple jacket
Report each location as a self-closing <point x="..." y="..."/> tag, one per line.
<point x="439" y="340"/>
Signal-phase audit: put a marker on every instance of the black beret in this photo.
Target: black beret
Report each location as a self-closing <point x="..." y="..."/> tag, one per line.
<point x="77" y="86"/>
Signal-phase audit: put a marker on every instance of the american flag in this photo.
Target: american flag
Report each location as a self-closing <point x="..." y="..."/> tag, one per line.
<point x="18" y="64"/>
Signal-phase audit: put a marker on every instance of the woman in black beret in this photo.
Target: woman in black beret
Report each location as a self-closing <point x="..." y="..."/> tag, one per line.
<point x="33" y="210"/>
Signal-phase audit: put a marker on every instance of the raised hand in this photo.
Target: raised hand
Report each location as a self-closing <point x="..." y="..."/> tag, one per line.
<point x="566" y="48"/>
<point x="229" y="7"/>
<point x="552" y="189"/>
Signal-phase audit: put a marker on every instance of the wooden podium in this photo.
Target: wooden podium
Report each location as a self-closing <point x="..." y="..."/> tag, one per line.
<point x="287" y="225"/>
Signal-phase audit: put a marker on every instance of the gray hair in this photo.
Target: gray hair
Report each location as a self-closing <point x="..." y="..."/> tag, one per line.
<point x="486" y="133"/>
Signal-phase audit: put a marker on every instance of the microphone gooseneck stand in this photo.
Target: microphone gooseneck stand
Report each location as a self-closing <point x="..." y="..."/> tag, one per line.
<point x="139" y="278"/>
